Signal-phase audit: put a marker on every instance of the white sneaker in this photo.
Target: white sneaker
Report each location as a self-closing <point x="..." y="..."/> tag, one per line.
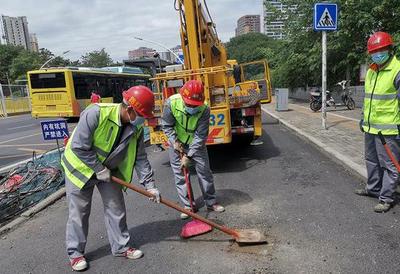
<point x="79" y="264"/>
<point x="184" y="216"/>
<point x="133" y="253"/>
<point x="216" y="208"/>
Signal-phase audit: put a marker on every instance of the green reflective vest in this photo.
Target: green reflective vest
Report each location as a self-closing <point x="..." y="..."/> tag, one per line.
<point x="381" y="104"/>
<point x="104" y="138"/>
<point x="185" y="124"/>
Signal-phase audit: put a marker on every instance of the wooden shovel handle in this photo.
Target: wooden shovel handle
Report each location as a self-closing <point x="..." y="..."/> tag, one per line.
<point x="173" y="205"/>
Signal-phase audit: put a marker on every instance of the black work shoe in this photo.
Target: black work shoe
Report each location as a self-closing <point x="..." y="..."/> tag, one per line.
<point x="382" y="207"/>
<point x="362" y="192"/>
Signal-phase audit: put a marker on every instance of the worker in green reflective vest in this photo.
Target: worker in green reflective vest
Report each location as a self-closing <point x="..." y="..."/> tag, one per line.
<point x="381" y="114"/>
<point x="186" y="121"/>
<point x="108" y="140"/>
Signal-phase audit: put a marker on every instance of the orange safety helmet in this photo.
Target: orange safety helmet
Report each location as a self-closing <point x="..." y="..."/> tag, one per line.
<point x="379" y="40"/>
<point x="141" y="99"/>
<point x="192" y="93"/>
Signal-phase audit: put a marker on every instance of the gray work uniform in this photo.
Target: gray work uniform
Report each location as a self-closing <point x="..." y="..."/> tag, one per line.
<point x="197" y="151"/>
<point x="382" y="174"/>
<point x="80" y="200"/>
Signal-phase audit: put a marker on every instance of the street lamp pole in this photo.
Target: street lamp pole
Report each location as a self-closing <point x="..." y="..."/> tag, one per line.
<point x="160" y="45"/>
<point x="52" y="58"/>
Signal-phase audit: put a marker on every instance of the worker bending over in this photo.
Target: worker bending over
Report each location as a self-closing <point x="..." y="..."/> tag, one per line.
<point x="108" y="140"/>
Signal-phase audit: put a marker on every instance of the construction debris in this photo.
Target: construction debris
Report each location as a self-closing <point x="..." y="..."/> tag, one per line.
<point x="27" y="184"/>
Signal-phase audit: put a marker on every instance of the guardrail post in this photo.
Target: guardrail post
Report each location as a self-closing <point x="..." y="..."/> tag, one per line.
<point x="28" y="95"/>
<point x="3" y="102"/>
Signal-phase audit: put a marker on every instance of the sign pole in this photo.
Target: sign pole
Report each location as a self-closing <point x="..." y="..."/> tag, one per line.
<point x="58" y="148"/>
<point x="325" y="19"/>
<point x="324" y="79"/>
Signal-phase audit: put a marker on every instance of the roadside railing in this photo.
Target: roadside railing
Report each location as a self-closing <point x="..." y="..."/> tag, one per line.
<point x="14" y="99"/>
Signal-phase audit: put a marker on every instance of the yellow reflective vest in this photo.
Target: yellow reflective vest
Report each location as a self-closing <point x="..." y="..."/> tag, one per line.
<point x="104" y="138"/>
<point x="185" y="124"/>
<point x="381" y="103"/>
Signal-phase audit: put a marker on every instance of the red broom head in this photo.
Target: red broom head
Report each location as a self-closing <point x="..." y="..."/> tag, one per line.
<point x="194" y="228"/>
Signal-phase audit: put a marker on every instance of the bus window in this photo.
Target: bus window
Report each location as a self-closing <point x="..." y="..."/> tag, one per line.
<point x="85" y="84"/>
<point x="48" y="80"/>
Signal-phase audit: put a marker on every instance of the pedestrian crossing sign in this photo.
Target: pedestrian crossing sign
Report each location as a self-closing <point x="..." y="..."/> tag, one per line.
<point x="325" y="16"/>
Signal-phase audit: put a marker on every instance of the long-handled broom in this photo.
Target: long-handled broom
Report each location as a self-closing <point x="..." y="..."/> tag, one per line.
<point x="194" y="227"/>
<point x="243" y="236"/>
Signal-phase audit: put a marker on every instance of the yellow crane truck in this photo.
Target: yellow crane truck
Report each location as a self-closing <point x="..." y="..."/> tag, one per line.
<point x="233" y="91"/>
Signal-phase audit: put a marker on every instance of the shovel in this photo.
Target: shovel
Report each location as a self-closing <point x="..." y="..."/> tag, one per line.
<point x="241" y="236"/>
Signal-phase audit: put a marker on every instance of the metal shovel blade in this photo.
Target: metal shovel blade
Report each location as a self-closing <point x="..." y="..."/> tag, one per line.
<point x="249" y="236"/>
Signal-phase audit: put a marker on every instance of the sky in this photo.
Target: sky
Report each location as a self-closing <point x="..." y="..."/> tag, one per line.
<point x="82" y="26"/>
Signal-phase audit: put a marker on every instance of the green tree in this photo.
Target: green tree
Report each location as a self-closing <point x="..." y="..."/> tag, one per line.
<point x="58" y="61"/>
<point x="15" y="62"/>
<point x="7" y="54"/>
<point x="23" y="63"/>
<point x="96" y="59"/>
<point x="253" y="47"/>
<point x="300" y="56"/>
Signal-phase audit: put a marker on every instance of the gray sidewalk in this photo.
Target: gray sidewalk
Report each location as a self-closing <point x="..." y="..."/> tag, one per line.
<point x="342" y="141"/>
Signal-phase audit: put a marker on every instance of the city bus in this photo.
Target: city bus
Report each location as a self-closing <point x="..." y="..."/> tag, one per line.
<point x="65" y="92"/>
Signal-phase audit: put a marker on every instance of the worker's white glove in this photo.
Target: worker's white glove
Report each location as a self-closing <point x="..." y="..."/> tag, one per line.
<point x="104" y="175"/>
<point x="154" y="191"/>
<point x="185" y="162"/>
<point x="178" y="146"/>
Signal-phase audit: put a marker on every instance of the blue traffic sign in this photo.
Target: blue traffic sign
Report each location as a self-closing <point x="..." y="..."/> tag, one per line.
<point x="325" y="16"/>
<point x="55" y="129"/>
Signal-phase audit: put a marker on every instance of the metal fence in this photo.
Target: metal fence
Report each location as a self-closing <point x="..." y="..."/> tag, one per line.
<point x="14" y="99"/>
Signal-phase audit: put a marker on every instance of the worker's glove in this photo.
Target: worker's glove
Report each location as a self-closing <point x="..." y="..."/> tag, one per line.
<point x="178" y="147"/>
<point x="185" y="162"/>
<point x="154" y="191"/>
<point x="361" y="125"/>
<point x="104" y="175"/>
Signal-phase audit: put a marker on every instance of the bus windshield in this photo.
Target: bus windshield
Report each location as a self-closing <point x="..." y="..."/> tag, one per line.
<point x="48" y="80"/>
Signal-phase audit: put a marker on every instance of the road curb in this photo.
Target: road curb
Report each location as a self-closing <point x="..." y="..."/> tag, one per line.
<point x="45" y="203"/>
<point x="354" y="168"/>
<point x="32" y="211"/>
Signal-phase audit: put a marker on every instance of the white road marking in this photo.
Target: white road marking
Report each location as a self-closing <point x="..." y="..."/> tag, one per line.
<point x="26" y="145"/>
<point x="19" y="138"/>
<point x="14" y="156"/>
<point x="11" y="128"/>
<point x="40" y="151"/>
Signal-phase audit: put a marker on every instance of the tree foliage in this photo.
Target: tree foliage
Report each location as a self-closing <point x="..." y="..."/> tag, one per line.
<point x="296" y="60"/>
<point x="15" y="61"/>
<point x="358" y="19"/>
<point x="97" y="58"/>
<point x="254" y="46"/>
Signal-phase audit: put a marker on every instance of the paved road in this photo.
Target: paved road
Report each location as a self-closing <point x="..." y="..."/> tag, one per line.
<point x="287" y="188"/>
<point x="19" y="137"/>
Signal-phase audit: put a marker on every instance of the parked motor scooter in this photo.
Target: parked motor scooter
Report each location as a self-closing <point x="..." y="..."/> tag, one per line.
<point x="316" y="98"/>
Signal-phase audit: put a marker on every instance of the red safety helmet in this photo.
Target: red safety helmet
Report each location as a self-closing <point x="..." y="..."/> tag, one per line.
<point x="141" y="99"/>
<point x="379" y="40"/>
<point x="192" y="93"/>
<point x="95" y="98"/>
